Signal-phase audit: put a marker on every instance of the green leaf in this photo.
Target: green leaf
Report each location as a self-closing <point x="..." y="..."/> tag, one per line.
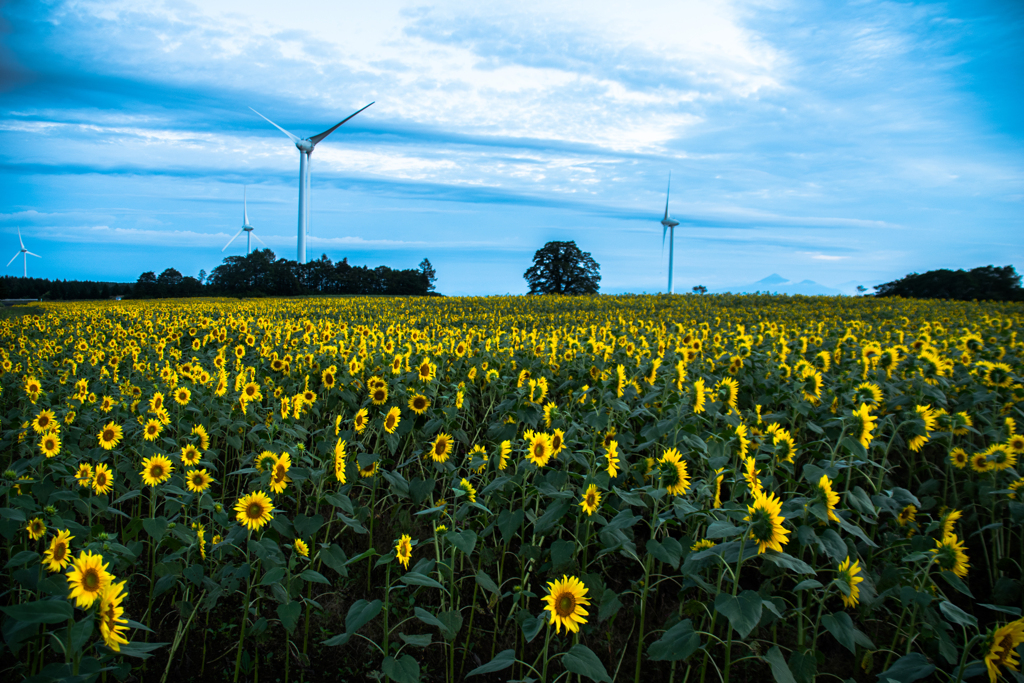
<point x="501" y="661"/>
<point x="140" y="649"/>
<point x="957" y="615"/>
<point x="417" y="579"/>
<point x="155" y="527"/>
<point x="22" y="558"/>
<point x="273" y="576"/>
<point x="834" y="545"/>
<point x="463" y="540"/>
<point x="442" y="622"/>
<point x="610" y="605"/>
<point x="789" y="562"/>
<point x="531" y="626"/>
<point x="722" y="529"/>
<point x="452" y="621"/>
<point x="404" y="670"/>
<point x="361" y="613"/>
<point x="550" y="518"/>
<point x="289" y="615"/>
<point x="307" y="526"/>
<point x="630" y="498"/>
<point x="957" y="583"/>
<point x="41" y="611"/>
<point x="780" y="670"/>
<point x="314" y="577"/>
<point x="582" y="661"/>
<point x="418" y="640"/>
<point x="668" y="551"/>
<point x="487" y="583"/>
<point x="841" y="626"/>
<point x="743" y="611"/>
<point x="908" y="669"/>
<point x="81" y="632"/>
<point x="679" y="642"/>
<point x="335" y="558"/>
<point x="509" y="523"/>
<point x="561" y="555"/>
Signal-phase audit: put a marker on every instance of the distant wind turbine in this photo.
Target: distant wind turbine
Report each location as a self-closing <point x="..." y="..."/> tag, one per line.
<point x="245" y="227"/>
<point x="669" y="225"/>
<point x="305" y="147"/>
<point x="24" y="254"/>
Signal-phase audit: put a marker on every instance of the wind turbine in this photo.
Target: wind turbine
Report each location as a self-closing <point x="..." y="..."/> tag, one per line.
<point x="24" y="254"/>
<point x="305" y="147"/>
<point x="245" y="227"/>
<point x="669" y="225"/>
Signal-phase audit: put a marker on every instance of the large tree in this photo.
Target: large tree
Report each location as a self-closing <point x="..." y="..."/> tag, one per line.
<point x="561" y="268"/>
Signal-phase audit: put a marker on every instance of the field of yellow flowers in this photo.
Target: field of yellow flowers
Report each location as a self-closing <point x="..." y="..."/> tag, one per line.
<point x="680" y="488"/>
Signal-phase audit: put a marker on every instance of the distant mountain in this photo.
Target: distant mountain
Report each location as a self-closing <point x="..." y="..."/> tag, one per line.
<point x="776" y="284"/>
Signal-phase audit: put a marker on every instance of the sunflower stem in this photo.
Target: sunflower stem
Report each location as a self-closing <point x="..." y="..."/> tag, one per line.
<point x="544" y="669"/>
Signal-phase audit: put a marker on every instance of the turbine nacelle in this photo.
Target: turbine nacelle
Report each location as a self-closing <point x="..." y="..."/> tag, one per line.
<point x="305" y="145"/>
<point x="669" y="222"/>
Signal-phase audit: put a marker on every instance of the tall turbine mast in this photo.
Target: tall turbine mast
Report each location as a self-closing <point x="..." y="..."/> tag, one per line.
<point x="669" y="225"/>
<point x="306" y="147"/>
<point x="245" y="227"/>
<point x="24" y="254"/>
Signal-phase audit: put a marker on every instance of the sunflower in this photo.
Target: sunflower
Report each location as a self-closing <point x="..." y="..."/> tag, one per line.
<point x="811" y="383"/>
<point x="961" y="423"/>
<point x="151" y="430"/>
<point x="190" y="455"/>
<point x="848" y="574"/>
<point x="980" y="463"/>
<point x="865" y="423"/>
<point x="727" y="391"/>
<point x="827" y="497"/>
<point x="36" y="528"/>
<point x="426" y="370"/>
<point x="785" y="447"/>
<point x="107" y="404"/>
<point x="565" y="600"/>
<point x="339" y="461"/>
<point x="279" y="478"/>
<point x="392" y="419"/>
<point x="327" y="377"/>
<point x="58" y="555"/>
<point x="466" y="486"/>
<point x="102" y="480"/>
<point x="441" y="448"/>
<point x="950" y="555"/>
<point x="110" y="436"/>
<point x="254" y="510"/>
<point x="557" y="442"/>
<point x="591" y="500"/>
<point x="922" y="427"/>
<point x="84" y="474"/>
<point x="44" y="422"/>
<point x="419" y="404"/>
<point x="613" y="459"/>
<point x="204" y="436"/>
<point x="301" y="548"/>
<point x="752" y="475"/>
<point x="112" y="620"/>
<point x="1002" y="649"/>
<point x="867" y="393"/>
<point x="1000" y="457"/>
<point x="379" y="395"/>
<point x="538" y="448"/>
<point x="504" y="452"/>
<point x="718" y="487"/>
<point x="958" y="458"/>
<point x="182" y="396"/>
<point x="403" y="550"/>
<point x="673" y="472"/>
<point x="369" y="470"/>
<point x="198" y="481"/>
<point x="949" y="519"/>
<point x="766" y="522"/>
<point x="50" y="445"/>
<point x="550" y="411"/>
<point x="1016" y="444"/>
<point x="250" y="392"/>
<point x="907" y="515"/>
<point x="156" y="403"/>
<point x="156" y="470"/>
<point x="87" y="578"/>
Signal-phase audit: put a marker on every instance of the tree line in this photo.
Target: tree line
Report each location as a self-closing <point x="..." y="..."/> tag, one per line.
<point x="992" y="283"/>
<point x="260" y="273"/>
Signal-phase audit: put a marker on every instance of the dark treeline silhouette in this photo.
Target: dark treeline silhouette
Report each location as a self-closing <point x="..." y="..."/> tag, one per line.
<point x="988" y="282"/>
<point x="59" y="290"/>
<point x="262" y="273"/>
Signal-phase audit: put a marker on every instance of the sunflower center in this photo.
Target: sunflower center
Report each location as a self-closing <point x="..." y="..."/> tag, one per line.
<point x="101" y="479"/>
<point x="108" y="434"/>
<point x="91" y="580"/>
<point x="565" y="605"/>
<point x="157" y="472"/>
<point x="538" y="450"/>
<point x="390" y="422"/>
<point x="254" y="511"/>
<point x="440" y="447"/>
<point x="59" y="551"/>
<point x="591" y="499"/>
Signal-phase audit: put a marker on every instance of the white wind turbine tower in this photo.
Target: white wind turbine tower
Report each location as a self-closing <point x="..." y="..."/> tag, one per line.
<point x="24" y="254"/>
<point x="669" y="225"/>
<point x="305" y="147"/>
<point x="245" y="227"/>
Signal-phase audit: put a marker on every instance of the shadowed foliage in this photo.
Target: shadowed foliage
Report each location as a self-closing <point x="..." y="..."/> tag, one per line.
<point x="561" y="268"/>
<point x="988" y="282"/>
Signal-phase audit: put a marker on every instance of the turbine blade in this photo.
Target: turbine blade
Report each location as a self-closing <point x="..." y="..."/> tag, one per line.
<point x="233" y="238"/>
<point x="664" y="229"/>
<point x="667" y="192"/>
<point x="12" y="260"/>
<point x="31" y="254"/>
<point x="258" y="239"/>
<point x="317" y="138"/>
<point x="245" y="206"/>
<point x="293" y="138"/>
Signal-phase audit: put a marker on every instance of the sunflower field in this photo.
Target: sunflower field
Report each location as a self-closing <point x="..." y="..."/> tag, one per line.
<point x="671" y="488"/>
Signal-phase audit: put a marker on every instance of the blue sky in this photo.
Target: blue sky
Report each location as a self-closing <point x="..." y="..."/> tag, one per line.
<point x="843" y="142"/>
